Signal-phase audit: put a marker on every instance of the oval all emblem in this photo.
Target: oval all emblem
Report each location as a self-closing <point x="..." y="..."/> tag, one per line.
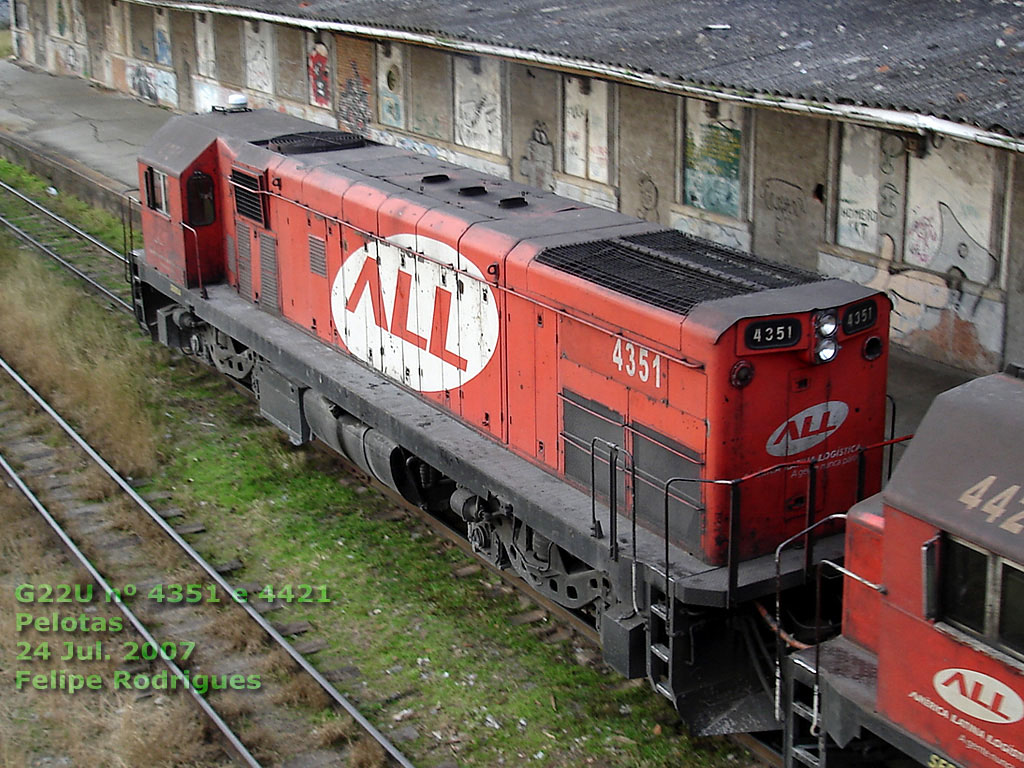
<point x="429" y="321"/>
<point x="806" y="429"/>
<point x="981" y="696"/>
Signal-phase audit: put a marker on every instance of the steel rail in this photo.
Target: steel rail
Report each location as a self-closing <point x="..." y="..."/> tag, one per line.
<point x="65" y="263"/>
<point x="65" y="223"/>
<point x="235" y="744"/>
<point x="210" y="571"/>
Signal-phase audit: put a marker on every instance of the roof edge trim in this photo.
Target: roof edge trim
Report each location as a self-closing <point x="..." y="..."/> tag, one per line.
<point x="874" y="116"/>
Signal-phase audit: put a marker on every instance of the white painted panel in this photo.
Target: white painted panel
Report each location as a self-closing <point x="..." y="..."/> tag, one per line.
<point x="712" y="156"/>
<point x="857" y="215"/>
<point x="259" y="56"/>
<point x="949" y="220"/>
<point x="206" y="56"/>
<point x="586" y="129"/>
<point x="391" y="84"/>
<point x="478" y="116"/>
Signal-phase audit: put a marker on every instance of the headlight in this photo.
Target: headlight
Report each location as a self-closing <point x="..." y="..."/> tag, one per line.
<point x="826" y="350"/>
<point x="826" y="323"/>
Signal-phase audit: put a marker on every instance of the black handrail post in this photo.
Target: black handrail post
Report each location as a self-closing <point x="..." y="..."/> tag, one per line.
<point x="812" y="502"/>
<point x="892" y="433"/>
<point x="595" y="526"/>
<point x="734" y="542"/>
<point x="613" y="504"/>
<point x="862" y="471"/>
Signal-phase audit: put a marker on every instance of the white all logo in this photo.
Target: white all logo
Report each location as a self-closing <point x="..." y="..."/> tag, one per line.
<point x="807" y="428"/>
<point x="429" y="321"/>
<point x="980" y="696"/>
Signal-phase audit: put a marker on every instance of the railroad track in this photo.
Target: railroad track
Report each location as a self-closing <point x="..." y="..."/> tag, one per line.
<point x="207" y="633"/>
<point x="103" y="269"/>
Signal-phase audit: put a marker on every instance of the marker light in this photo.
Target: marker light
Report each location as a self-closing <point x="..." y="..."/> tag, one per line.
<point x="826" y="350"/>
<point x="826" y="323"/>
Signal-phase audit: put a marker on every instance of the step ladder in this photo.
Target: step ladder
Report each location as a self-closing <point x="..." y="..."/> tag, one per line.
<point x="663" y="641"/>
<point x="805" y="743"/>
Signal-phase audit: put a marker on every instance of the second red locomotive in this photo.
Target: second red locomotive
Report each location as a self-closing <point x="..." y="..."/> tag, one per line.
<point x="630" y="418"/>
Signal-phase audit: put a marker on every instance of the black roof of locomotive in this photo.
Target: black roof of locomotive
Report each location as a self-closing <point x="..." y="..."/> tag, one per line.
<point x="661" y="267"/>
<point x="968" y="434"/>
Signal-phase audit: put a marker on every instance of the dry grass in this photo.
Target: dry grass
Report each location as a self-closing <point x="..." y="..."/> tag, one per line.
<point x="94" y="373"/>
<point x="304" y="690"/>
<point x="95" y="485"/>
<point x="366" y="753"/>
<point x="263" y="741"/>
<point x="340" y="730"/>
<point x="238" y="632"/>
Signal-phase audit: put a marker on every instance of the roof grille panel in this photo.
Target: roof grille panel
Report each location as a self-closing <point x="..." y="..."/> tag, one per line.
<point x="671" y="270"/>
<point x="308" y="142"/>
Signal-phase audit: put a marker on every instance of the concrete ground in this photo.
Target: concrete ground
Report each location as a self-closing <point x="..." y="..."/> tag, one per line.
<point x="87" y="127"/>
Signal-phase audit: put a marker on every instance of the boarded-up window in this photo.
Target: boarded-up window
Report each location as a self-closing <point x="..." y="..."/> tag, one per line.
<point x="712" y="156"/>
<point x="585" y="122"/>
<point x="478" y="113"/>
<point x="206" y="55"/>
<point x="391" y="85"/>
<point x="259" y="55"/>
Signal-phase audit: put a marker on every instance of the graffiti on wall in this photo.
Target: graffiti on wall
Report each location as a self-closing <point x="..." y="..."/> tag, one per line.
<point x="585" y="120"/>
<point x="786" y="206"/>
<point x="537" y="166"/>
<point x="319" y="69"/>
<point x="390" y="85"/>
<point x="712" y="157"/>
<point x="723" y="234"/>
<point x="162" y="38"/>
<point x="647" y="197"/>
<point x="478" y="104"/>
<point x="354" y="101"/>
<point x="70" y="59"/>
<point x="932" y="315"/>
<point x="941" y="243"/>
<point x="152" y="84"/>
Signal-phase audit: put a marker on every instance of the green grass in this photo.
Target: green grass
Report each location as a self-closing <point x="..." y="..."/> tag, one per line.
<point x="98" y="223"/>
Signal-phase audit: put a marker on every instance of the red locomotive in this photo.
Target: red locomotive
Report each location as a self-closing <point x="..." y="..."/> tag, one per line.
<point x="631" y="418"/>
<point x="931" y="659"/>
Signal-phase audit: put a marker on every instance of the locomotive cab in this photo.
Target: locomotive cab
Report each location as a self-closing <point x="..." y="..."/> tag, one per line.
<point x="936" y="565"/>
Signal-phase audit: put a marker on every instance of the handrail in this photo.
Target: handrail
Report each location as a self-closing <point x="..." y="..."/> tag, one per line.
<point x="199" y="263"/>
<point x="613" y="493"/>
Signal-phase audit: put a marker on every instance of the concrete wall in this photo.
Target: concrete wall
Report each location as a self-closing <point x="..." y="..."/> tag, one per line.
<point x="533" y="125"/>
<point x="938" y="225"/>
<point x="790" y="173"/>
<point x="646" y="151"/>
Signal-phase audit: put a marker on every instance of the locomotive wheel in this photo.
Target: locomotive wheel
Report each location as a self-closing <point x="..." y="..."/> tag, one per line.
<point x="228" y="356"/>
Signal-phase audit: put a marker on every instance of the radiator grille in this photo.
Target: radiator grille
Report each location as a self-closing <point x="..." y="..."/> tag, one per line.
<point x="671" y="270"/>
<point x="248" y="200"/>
<point x="317" y="256"/>
<point x="244" y="260"/>
<point x="268" y="273"/>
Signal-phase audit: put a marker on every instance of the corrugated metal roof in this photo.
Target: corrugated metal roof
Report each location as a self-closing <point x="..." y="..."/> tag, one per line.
<point x="959" y="60"/>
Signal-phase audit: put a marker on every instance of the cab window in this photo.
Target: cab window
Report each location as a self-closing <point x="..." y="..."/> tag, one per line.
<point x="199" y="192"/>
<point x="156" y="190"/>
<point x="982" y="594"/>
